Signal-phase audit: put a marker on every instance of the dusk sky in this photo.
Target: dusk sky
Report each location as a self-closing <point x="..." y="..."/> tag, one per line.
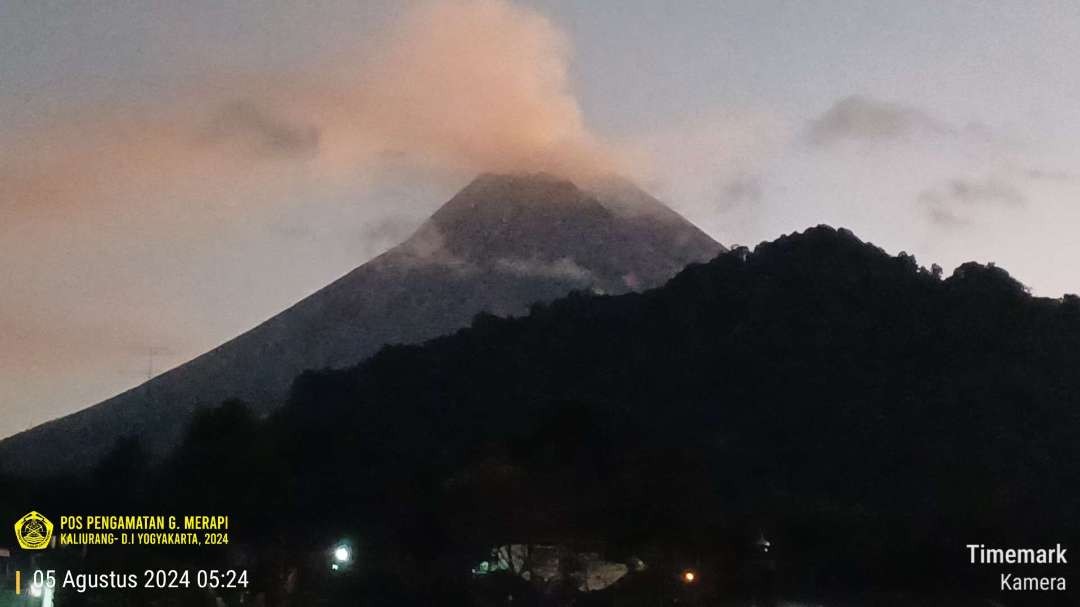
<point x="173" y="173"/>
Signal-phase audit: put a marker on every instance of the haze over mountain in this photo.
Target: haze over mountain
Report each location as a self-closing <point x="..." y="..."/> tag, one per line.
<point x="502" y="243"/>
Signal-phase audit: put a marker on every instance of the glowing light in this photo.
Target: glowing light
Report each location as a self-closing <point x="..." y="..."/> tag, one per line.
<point x="689" y="577"/>
<point x="342" y="554"/>
<point x="35" y="590"/>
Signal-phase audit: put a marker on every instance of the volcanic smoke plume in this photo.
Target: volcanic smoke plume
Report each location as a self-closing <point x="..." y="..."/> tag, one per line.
<point x="94" y="198"/>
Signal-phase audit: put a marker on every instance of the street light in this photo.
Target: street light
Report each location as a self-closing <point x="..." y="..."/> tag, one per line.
<point x="341" y="556"/>
<point x="689" y="576"/>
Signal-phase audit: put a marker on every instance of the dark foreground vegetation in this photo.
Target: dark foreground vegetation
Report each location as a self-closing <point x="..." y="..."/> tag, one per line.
<point x="868" y="416"/>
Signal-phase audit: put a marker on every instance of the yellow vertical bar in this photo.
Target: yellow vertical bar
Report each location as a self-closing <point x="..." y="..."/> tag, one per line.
<point x="18" y="582"/>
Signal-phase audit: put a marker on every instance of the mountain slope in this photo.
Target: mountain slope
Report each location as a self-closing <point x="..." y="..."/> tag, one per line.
<point x="503" y="242"/>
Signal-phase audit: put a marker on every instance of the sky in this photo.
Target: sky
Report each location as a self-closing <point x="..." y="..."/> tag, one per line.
<point x="173" y="173"/>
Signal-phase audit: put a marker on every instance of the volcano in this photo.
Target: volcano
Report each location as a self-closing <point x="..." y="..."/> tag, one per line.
<point x="501" y="244"/>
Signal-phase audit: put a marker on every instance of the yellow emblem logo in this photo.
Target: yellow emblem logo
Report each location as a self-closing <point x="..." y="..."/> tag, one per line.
<point x="33" y="531"/>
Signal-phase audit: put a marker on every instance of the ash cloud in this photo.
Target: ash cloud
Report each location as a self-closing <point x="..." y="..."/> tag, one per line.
<point x="743" y="190"/>
<point x="453" y="87"/>
<point x="95" y="198"/>
<point x="479" y="85"/>
<point x="244" y="123"/>
<point x="955" y="203"/>
<point x="861" y="118"/>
